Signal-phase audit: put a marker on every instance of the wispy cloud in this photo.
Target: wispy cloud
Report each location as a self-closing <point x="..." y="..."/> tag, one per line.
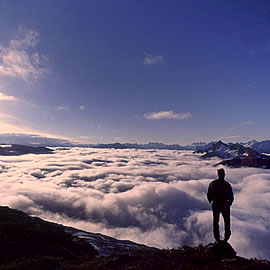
<point x="18" y="60"/>
<point x="86" y="138"/>
<point x="4" y="97"/>
<point x="6" y="127"/>
<point x="6" y="116"/>
<point x="234" y="138"/>
<point x="11" y="124"/>
<point x="82" y="107"/>
<point x="150" y="59"/>
<point x="34" y="139"/>
<point x="243" y="124"/>
<point x="167" y="115"/>
<point x="62" y="108"/>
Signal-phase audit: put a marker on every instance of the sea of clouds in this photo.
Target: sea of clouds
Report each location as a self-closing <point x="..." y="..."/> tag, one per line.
<point x="154" y="197"/>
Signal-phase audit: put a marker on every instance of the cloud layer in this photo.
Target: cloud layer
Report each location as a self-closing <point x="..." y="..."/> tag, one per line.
<point x="19" y="59"/>
<point x="155" y="197"/>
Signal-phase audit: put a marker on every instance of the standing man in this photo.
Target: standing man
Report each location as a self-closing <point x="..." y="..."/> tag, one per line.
<point x="220" y="194"/>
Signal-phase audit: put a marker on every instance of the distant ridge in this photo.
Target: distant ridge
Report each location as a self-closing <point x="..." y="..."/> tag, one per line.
<point x="150" y="145"/>
<point x="198" y="147"/>
<point x="17" y="150"/>
<point x="38" y="141"/>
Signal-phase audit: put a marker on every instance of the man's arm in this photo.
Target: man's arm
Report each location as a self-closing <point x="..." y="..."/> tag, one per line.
<point x="210" y="193"/>
<point x="230" y="195"/>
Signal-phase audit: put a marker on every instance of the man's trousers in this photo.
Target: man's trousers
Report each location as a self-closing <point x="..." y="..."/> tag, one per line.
<point x="225" y="211"/>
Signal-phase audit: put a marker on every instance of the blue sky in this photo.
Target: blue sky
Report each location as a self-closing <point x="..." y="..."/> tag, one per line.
<point x="135" y="71"/>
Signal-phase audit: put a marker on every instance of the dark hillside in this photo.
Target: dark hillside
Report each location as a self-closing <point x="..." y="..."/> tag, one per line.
<point x="29" y="237"/>
<point x="28" y="243"/>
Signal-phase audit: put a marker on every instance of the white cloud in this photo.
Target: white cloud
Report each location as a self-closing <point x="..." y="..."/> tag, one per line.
<point x="167" y="115"/>
<point x="152" y="59"/>
<point x="12" y="125"/>
<point x="6" y="116"/>
<point x="249" y="123"/>
<point x="62" y="108"/>
<point x="234" y="138"/>
<point x="18" y="60"/>
<point x="243" y="124"/>
<point x="82" y="107"/>
<point x="4" y="97"/>
<point x="26" y="38"/>
<point x="6" y="127"/>
<point x="34" y="139"/>
<point x="155" y="197"/>
<point x="86" y="139"/>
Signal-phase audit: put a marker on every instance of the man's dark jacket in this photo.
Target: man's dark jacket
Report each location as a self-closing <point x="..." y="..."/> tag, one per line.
<point x="220" y="193"/>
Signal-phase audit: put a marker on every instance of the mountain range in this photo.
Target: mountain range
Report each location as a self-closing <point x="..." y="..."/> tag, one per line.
<point x="261" y="147"/>
<point x="250" y="154"/>
<point x="236" y="155"/>
<point x="36" y="140"/>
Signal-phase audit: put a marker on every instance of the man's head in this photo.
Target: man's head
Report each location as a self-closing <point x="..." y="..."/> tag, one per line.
<point x="221" y="173"/>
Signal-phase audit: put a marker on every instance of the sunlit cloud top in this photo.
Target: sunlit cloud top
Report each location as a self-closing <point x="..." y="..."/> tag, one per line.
<point x="4" y="97"/>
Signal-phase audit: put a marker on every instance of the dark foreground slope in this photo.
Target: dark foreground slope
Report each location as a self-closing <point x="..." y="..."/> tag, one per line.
<point x="22" y="236"/>
<point x="33" y="244"/>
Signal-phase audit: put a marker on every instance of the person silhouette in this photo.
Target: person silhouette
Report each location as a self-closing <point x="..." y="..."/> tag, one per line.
<point x="220" y="195"/>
